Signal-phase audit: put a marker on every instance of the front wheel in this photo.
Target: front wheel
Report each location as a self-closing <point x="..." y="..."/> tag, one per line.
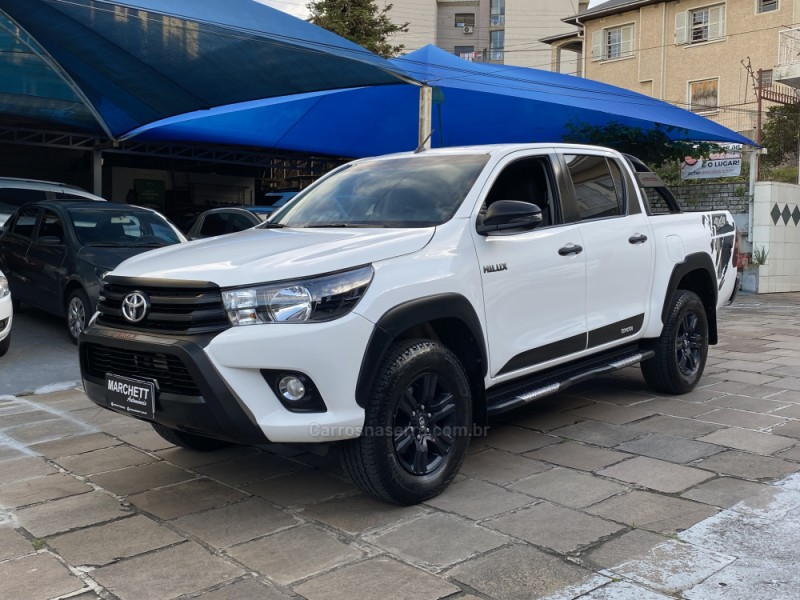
<point x="682" y="348"/>
<point x="5" y="344"/>
<point x="78" y="313"/>
<point x="416" y="427"/>
<point x="189" y="441"/>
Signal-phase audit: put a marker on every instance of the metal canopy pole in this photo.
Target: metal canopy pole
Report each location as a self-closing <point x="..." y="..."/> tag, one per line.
<point x="425" y="110"/>
<point x="97" y="171"/>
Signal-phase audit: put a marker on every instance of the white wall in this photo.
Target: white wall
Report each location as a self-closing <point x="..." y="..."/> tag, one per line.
<point x="781" y="239"/>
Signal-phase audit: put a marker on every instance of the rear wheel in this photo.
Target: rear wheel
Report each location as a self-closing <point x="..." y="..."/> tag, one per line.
<point x="78" y="313"/>
<point x="682" y="348"/>
<point x="417" y="425"/>
<point x="189" y="441"/>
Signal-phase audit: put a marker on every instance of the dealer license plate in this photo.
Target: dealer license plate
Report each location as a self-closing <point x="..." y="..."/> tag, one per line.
<point x="133" y="396"/>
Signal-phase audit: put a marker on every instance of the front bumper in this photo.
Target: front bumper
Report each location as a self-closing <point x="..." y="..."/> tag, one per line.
<point x="6" y="317"/>
<point x="213" y="385"/>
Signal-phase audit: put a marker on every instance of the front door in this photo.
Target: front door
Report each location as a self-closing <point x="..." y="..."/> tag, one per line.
<point x="15" y="254"/>
<point x="45" y="262"/>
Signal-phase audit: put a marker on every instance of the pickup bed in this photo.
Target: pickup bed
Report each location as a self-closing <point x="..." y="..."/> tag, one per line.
<point x="400" y="300"/>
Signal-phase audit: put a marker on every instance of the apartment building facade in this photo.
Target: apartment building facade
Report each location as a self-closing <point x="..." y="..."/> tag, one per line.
<point x="495" y="31"/>
<point x="703" y="55"/>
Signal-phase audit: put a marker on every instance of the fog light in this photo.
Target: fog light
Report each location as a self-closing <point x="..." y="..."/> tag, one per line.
<point x="291" y="388"/>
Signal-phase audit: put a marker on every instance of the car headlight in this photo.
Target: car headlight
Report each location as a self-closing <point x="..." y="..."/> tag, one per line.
<point x="4" y="291"/>
<point x="315" y="299"/>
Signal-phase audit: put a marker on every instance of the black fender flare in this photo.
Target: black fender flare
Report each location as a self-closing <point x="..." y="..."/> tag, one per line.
<point x="699" y="261"/>
<point x="407" y="315"/>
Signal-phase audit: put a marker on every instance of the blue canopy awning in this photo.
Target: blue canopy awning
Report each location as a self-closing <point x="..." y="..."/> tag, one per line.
<point x="474" y="103"/>
<point x="113" y="66"/>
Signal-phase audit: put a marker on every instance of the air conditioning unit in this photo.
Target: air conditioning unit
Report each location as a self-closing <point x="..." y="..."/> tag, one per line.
<point x="468" y="28"/>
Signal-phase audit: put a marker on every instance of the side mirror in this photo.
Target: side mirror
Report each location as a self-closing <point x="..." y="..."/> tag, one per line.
<point x="507" y="215"/>
<point x="49" y="240"/>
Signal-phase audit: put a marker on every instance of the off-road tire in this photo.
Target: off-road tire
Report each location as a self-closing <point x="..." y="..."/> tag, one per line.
<point x="5" y="344"/>
<point x="682" y="348"/>
<point x="189" y="441"/>
<point x="78" y="313"/>
<point x="389" y="461"/>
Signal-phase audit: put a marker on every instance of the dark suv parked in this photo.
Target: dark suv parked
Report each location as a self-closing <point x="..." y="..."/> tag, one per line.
<point x="55" y="254"/>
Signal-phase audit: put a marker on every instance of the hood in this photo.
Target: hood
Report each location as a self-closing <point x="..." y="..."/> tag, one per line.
<point x="262" y="255"/>
<point x="107" y="258"/>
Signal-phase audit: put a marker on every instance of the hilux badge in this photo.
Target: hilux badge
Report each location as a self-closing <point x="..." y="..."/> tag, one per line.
<point x="135" y="307"/>
<point x="495" y="268"/>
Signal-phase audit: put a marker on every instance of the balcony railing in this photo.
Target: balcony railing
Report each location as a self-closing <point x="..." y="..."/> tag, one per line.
<point x="789" y="45"/>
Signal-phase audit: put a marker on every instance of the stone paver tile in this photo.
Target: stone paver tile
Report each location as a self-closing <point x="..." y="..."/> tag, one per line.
<point x="541" y="420"/>
<point x="790" y="454"/>
<point x="702" y="393"/>
<point x="247" y="469"/>
<point x="670" y="448"/>
<point x="744" y="389"/>
<point x="741" y="418"/>
<point x="62" y="515"/>
<point x="673" y="566"/>
<point x="517" y="439"/>
<point x="620" y="549"/>
<point x="477" y="499"/>
<point x="756" y="405"/>
<point x="520" y="572"/>
<point x="104" y="544"/>
<point x="748" y="466"/>
<point x="107" y="459"/>
<point x="139" y="479"/>
<point x="656" y="474"/>
<point x="9" y="452"/>
<point x="44" y="431"/>
<point x="455" y="540"/>
<point x="301" y="488"/>
<point x="675" y="408"/>
<point x="246" y="589"/>
<point x="578" y="456"/>
<point x="791" y="429"/>
<point x="20" y="469"/>
<point x="785" y="383"/>
<point x="569" y="488"/>
<point x="359" y="513"/>
<point x="166" y="573"/>
<point x="294" y="554"/>
<point x="752" y="441"/>
<point x="606" y="389"/>
<point x="750" y="366"/>
<point x="50" y="487"/>
<point x="623" y="590"/>
<point x="181" y="499"/>
<point x="555" y="527"/>
<point x="599" y="434"/>
<point x="723" y="492"/>
<point x="24" y="415"/>
<point x="37" y="577"/>
<point x="500" y="467"/>
<point x="146" y="439"/>
<point x="235" y="523"/>
<point x="785" y="371"/>
<point x="76" y="444"/>
<point x="189" y="459"/>
<point x="376" y="578"/>
<point x="791" y="411"/>
<point x="745" y="377"/>
<point x="784" y="396"/>
<point x="12" y="544"/>
<point x="612" y="413"/>
<point x="653" y="512"/>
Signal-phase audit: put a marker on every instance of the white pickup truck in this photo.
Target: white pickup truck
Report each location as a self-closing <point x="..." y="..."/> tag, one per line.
<point x="400" y="300"/>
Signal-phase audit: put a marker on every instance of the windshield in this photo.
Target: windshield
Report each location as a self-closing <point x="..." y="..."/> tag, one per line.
<point x="411" y="191"/>
<point x="121" y="228"/>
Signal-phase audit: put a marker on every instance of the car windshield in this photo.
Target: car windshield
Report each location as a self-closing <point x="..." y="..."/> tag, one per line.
<point x="409" y="191"/>
<point x="121" y="228"/>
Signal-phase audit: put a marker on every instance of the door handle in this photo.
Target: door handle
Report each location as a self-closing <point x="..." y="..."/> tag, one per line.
<point x="570" y="249"/>
<point x="637" y="239"/>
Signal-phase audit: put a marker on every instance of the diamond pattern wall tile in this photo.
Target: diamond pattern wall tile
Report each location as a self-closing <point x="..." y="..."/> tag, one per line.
<point x="796" y="215"/>
<point x="786" y="214"/>
<point x="775" y="213"/>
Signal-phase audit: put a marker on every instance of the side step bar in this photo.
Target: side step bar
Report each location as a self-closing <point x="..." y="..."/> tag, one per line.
<point x="511" y="396"/>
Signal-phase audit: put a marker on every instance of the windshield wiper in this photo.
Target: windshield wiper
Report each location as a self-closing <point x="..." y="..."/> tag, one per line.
<point x="107" y="244"/>
<point x="343" y="225"/>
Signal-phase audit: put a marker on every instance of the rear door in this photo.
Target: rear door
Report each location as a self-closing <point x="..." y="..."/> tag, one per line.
<point x="618" y="245"/>
<point x="14" y="248"/>
<point x="46" y="255"/>
<point x="534" y="282"/>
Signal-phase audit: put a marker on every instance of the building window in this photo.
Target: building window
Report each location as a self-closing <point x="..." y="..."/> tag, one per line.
<point x="766" y="78"/>
<point x="465" y="20"/>
<point x="497" y="40"/>
<point x="766" y="6"/>
<point x="704" y="95"/>
<point x="465" y="52"/>
<point x="497" y="13"/>
<point x="700" y="25"/>
<point x="612" y="43"/>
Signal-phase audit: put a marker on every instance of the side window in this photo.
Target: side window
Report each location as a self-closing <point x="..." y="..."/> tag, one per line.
<point x="26" y="219"/>
<point x="598" y="192"/>
<point x="51" y="226"/>
<point x="14" y="197"/>
<point x="213" y="224"/>
<point x="238" y="223"/>
<point x="528" y="180"/>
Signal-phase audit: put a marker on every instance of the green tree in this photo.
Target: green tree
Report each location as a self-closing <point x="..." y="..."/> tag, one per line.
<point x="360" y="21"/>
<point x="780" y="134"/>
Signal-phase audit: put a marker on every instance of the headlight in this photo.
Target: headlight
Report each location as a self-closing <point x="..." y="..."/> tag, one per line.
<point x="4" y="291"/>
<point x="321" y="298"/>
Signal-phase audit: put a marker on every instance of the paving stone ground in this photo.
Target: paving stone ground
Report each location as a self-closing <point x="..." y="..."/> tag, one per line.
<point x="608" y="491"/>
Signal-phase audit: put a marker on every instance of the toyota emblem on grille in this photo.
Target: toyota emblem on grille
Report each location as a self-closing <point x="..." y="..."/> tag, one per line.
<point x="135" y="306"/>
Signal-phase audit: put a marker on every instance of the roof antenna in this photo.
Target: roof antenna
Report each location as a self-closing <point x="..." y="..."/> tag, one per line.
<point x="421" y="147"/>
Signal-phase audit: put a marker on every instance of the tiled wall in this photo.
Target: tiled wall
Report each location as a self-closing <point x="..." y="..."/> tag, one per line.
<point x="776" y="227"/>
